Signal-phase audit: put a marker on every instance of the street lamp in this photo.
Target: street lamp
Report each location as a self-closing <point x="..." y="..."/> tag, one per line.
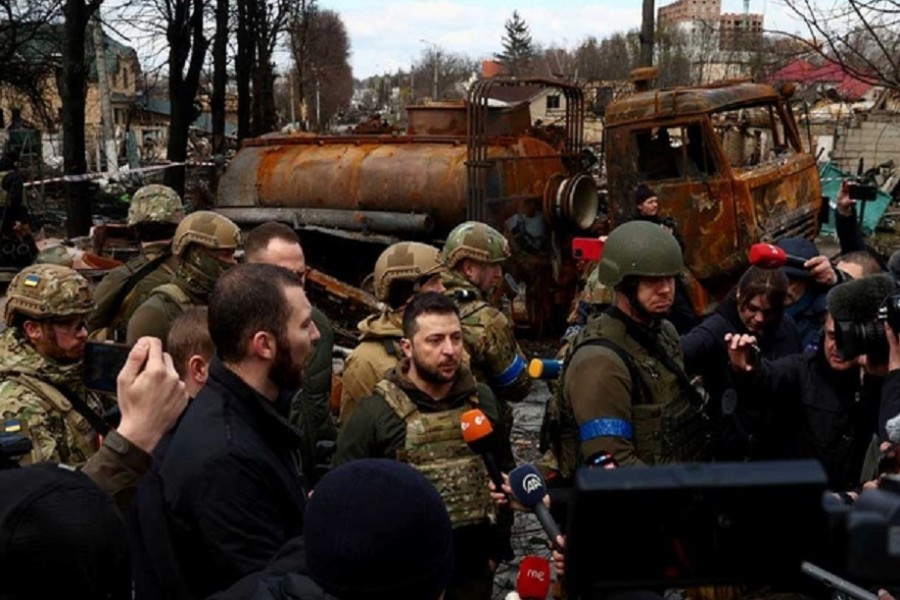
<point x="435" y="65"/>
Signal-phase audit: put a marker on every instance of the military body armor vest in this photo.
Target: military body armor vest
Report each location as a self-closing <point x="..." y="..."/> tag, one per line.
<point x="435" y="447"/>
<point x="666" y="414"/>
<point x="77" y="440"/>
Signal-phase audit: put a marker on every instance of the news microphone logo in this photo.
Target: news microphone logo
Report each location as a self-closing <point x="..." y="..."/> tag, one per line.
<point x="770" y="256"/>
<point x="478" y="433"/>
<point x="532" y="483"/>
<point x="533" y="581"/>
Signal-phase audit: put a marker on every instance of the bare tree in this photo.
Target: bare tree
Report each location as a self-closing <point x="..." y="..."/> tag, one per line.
<point x="301" y="43"/>
<point x="30" y="49"/>
<point x="72" y="90"/>
<point x="452" y="71"/>
<point x="324" y="67"/>
<point x="862" y="36"/>
<point x="220" y="77"/>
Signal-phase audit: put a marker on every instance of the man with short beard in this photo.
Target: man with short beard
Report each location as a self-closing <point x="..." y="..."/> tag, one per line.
<point x="414" y="416"/>
<point x="231" y="474"/>
<point x="42" y="393"/>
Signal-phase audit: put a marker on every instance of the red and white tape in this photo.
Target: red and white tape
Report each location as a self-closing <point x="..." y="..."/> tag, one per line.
<point x="92" y="176"/>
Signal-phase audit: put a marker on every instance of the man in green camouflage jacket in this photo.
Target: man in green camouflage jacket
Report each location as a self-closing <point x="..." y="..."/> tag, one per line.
<point x="153" y="215"/>
<point x="204" y="245"/>
<point x="415" y="416"/>
<point x="42" y="394"/>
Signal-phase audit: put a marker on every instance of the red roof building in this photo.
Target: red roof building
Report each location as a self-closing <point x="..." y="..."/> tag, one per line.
<point x="828" y="75"/>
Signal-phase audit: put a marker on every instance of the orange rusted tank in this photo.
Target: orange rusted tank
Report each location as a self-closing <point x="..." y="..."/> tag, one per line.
<point x="727" y="164"/>
<point x="473" y="160"/>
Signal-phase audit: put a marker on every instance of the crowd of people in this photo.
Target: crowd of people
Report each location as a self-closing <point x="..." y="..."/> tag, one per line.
<point x="203" y="475"/>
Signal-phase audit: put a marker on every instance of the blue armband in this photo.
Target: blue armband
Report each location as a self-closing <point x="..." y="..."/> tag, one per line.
<point x="510" y="373"/>
<point x="597" y="428"/>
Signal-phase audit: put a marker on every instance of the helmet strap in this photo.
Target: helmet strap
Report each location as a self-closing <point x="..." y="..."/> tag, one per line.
<point x="628" y="289"/>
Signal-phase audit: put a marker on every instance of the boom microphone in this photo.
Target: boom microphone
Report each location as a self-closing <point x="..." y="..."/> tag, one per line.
<point x="533" y="582"/>
<point x="528" y="488"/>
<point x="479" y="434"/>
<point x="770" y="256"/>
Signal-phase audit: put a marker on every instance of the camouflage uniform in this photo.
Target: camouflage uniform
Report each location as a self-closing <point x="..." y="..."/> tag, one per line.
<point x="401" y="422"/>
<point x="496" y="357"/>
<point x="39" y="397"/>
<point x="379" y="348"/>
<point x="125" y="288"/>
<point x="377" y="353"/>
<point x="195" y="275"/>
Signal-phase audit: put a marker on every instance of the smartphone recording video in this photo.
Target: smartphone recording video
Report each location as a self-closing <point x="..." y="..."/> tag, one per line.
<point x="102" y="363"/>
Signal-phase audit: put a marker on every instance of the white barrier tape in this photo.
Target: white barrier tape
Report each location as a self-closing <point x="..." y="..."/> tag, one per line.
<point x="91" y="176"/>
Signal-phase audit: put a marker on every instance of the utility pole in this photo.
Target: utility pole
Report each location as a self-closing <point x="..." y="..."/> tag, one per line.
<point x="107" y="138"/>
<point x="647" y="27"/>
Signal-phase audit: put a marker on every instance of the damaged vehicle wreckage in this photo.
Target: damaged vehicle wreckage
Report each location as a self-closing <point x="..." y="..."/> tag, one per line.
<point x="726" y="160"/>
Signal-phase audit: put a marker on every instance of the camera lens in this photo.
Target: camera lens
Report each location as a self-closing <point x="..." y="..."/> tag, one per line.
<point x="856" y="338"/>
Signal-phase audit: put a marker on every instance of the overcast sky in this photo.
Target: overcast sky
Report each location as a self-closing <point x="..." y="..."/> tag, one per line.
<point x="387" y="34"/>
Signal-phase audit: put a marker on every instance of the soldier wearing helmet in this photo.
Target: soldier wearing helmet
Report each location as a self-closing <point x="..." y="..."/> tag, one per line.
<point x="204" y="244"/>
<point x="474" y="253"/>
<point x="401" y="272"/>
<point x="624" y="390"/>
<point x="153" y="216"/>
<point x="42" y="394"/>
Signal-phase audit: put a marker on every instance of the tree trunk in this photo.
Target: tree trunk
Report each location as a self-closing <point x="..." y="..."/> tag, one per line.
<point x="243" y="66"/>
<point x="220" y="78"/>
<point x="72" y="87"/>
<point x="647" y="27"/>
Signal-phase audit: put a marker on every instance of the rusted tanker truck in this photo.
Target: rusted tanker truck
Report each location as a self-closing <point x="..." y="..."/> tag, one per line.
<point x="456" y="161"/>
<point x="726" y="161"/>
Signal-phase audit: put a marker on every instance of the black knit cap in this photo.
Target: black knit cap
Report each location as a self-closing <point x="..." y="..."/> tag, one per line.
<point x="60" y="537"/>
<point x="377" y="529"/>
<point x="643" y="193"/>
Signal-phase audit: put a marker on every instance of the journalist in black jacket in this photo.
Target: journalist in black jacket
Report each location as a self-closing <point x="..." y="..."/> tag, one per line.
<point x="755" y="307"/>
<point x="824" y="408"/>
<point x="230" y="479"/>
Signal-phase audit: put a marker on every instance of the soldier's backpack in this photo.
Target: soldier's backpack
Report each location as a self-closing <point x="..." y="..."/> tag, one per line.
<point x="115" y="295"/>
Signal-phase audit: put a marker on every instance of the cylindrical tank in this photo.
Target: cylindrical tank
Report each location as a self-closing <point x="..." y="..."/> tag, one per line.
<point x="423" y="174"/>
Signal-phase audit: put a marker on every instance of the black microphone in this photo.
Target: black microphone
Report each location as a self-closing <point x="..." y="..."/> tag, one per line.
<point x="529" y="489"/>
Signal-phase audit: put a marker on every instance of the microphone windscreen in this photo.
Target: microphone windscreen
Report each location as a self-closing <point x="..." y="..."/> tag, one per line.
<point x="527" y="485"/>
<point x="475" y="426"/>
<point x="545" y="368"/>
<point x="859" y="300"/>
<point x="893" y="429"/>
<point x="894" y="264"/>
<point x="533" y="582"/>
<point x="767" y="256"/>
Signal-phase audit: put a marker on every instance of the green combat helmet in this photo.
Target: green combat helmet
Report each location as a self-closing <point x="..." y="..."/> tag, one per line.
<point x="405" y="261"/>
<point x="42" y="291"/>
<point x="155" y="204"/>
<point x="476" y="241"/>
<point x="639" y="248"/>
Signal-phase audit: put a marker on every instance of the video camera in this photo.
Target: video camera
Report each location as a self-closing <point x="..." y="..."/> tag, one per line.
<point x="765" y="523"/>
<point x="860" y="188"/>
<point x="856" y="330"/>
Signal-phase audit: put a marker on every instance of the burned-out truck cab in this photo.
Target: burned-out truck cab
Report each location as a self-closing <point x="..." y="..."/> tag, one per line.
<point x="727" y="164"/>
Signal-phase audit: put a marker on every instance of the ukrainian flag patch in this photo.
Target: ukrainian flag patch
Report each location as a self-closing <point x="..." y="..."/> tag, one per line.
<point x="12" y="426"/>
<point x="31" y="280"/>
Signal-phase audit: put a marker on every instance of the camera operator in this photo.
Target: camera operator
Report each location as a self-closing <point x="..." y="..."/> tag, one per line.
<point x="837" y="408"/>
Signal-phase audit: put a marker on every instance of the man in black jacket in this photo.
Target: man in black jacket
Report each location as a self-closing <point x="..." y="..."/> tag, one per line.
<point x="231" y="474"/>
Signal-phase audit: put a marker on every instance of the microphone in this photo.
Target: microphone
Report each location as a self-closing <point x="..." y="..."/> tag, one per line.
<point x="770" y="256"/>
<point x="533" y="582"/>
<point x="528" y="488"/>
<point x="479" y="434"/>
<point x="545" y="368"/>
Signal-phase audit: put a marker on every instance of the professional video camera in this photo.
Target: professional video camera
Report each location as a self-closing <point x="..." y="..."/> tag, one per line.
<point x="858" y="328"/>
<point x="13" y="446"/>
<point x="766" y="523"/>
